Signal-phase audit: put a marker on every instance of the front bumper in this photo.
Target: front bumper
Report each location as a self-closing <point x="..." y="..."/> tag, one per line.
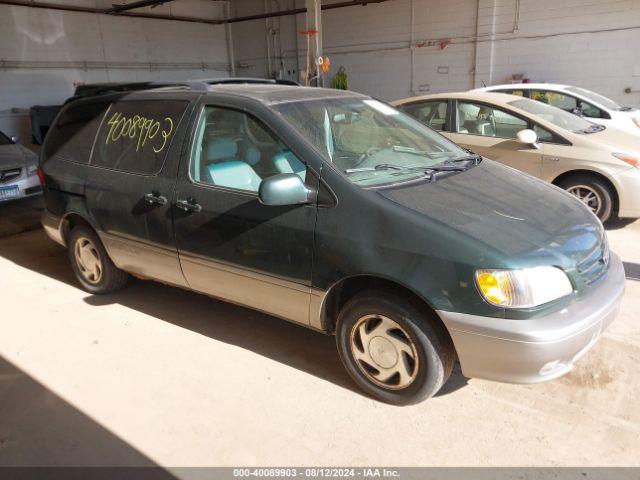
<point x="536" y="350"/>
<point x="27" y="187"/>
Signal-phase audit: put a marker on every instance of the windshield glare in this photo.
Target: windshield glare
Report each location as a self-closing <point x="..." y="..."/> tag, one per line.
<point x="553" y="115"/>
<point x="369" y="141"/>
<point x="594" y="97"/>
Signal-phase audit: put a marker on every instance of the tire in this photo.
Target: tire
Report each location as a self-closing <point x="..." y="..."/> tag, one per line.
<point x="581" y="185"/>
<point x="428" y="360"/>
<point x="85" y="251"/>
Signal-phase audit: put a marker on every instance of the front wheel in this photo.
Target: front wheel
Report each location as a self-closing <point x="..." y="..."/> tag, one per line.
<point x="593" y="192"/>
<point x="394" y="351"/>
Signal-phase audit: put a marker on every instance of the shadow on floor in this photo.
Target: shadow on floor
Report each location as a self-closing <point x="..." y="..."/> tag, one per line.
<point x="632" y="270"/>
<point x="38" y="428"/>
<point x="22" y="215"/>
<point x="620" y="223"/>
<point x="271" y="337"/>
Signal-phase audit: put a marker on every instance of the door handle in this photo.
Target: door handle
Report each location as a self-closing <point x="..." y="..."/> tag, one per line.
<point x="189" y="205"/>
<point x="154" y="198"/>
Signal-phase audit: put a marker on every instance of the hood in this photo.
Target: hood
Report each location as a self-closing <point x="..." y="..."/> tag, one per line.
<point x="616" y="140"/>
<point x="520" y="218"/>
<point x="16" y="156"/>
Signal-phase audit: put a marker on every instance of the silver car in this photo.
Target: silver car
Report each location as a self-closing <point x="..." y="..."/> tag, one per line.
<point x="18" y="170"/>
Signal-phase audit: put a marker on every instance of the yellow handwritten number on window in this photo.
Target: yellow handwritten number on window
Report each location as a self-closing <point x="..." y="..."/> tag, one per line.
<point x="140" y="128"/>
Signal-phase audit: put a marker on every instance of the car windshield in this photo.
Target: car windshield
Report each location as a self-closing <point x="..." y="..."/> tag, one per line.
<point x="4" y="140"/>
<point x="594" y="97"/>
<point x="556" y="116"/>
<point x="371" y="142"/>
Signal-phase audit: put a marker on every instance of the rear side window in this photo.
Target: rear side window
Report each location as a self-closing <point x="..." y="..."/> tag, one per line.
<point x="71" y="138"/>
<point x="432" y="113"/>
<point x="135" y="136"/>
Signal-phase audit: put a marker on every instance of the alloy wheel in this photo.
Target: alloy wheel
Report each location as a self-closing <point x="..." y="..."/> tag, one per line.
<point x="587" y="195"/>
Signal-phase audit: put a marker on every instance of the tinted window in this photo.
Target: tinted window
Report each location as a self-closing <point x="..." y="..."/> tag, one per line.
<point x="432" y="114"/>
<point x="478" y="119"/>
<point x="4" y="140"/>
<point x="235" y="150"/>
<point x="71" y="137"/>
<point x="136" y="135"/>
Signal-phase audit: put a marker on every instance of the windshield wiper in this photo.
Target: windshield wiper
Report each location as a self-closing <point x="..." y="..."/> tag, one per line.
<point x="381" y="166"/>
<point x="473" y="157"/>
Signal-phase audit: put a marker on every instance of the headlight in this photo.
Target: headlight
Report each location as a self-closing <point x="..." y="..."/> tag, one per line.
<point x="523" y="288"/>
<point x="32" y="170"/>
<point x="632" y="160"/>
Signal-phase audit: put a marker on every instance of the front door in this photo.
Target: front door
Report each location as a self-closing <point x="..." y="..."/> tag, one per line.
<point x="230" y="245"/>
<point x="491" y="132"/>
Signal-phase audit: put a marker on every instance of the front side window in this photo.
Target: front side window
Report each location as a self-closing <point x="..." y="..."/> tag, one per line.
<point x="233" y="149"/>
<point x="556" y="99"/>
<point x="370" y="142"/>
<point x="556" y="116"/>
<point x="136" y="135"/>
<point x="432" y="113"/>
<point x="480" y="119"/>
<point x="597" y="98"/>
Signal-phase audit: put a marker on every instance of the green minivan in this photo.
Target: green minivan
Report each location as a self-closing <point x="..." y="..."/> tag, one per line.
<point x="335" y="211"/>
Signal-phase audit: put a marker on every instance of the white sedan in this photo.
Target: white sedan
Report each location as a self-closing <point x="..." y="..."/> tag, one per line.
<point x="579" y="101"/>
<point x="597" y="164"/>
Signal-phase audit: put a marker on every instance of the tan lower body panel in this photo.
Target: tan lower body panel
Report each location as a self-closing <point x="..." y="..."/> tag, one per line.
<point x="144" y="260"/>
<point x="269" y="294"/>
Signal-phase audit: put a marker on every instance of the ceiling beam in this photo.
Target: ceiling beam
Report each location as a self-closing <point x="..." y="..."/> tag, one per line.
<point x="133" y="5"/>
<point x="128" y="13"/>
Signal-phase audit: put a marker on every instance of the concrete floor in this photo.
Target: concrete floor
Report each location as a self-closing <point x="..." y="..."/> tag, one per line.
<point x="157" y="375"/>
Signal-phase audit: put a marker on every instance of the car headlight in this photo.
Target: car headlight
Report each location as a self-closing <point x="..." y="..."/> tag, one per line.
<point x="32" y="170"/>
<point x="523" y="288"/>
<point x="632" y="160"/>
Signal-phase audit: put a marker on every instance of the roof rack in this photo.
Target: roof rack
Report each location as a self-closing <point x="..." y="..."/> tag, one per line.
<point x="205" y="83"/>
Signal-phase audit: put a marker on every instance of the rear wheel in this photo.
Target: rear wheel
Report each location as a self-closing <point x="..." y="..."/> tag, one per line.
<point x="93" y="268"/>
<point x="593" y="192"/>
<point x="394" y="351"/>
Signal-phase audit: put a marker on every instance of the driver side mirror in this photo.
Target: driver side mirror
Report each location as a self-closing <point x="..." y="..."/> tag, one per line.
<point x="528" y="137"/>
<point x="284" y="189"/>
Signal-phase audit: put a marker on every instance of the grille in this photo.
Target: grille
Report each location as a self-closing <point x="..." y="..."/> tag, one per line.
<point x="9" y="174"/>
<point x="596" y="264"/>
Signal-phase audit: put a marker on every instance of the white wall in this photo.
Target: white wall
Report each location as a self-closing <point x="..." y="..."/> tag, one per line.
<point x="45" y="53"/>
<point x="590" y="43"/>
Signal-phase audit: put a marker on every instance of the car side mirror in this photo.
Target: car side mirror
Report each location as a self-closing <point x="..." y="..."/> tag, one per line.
<point x="283" y="189"/>
<point x="528" y="137"/>
<point x="15" y="139"/>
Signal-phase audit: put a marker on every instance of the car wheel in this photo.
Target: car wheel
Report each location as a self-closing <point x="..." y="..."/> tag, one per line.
<point x="93" y="268"/>
<point x="394" y="351"/>
<point x="593" y="192"/>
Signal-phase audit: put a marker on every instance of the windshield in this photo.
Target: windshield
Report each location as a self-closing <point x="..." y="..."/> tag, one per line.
<point x="369" y="141"/>
<point x="556" y="116"/>
<point x="4" y="140"/>
<point x="594" y="97"/>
